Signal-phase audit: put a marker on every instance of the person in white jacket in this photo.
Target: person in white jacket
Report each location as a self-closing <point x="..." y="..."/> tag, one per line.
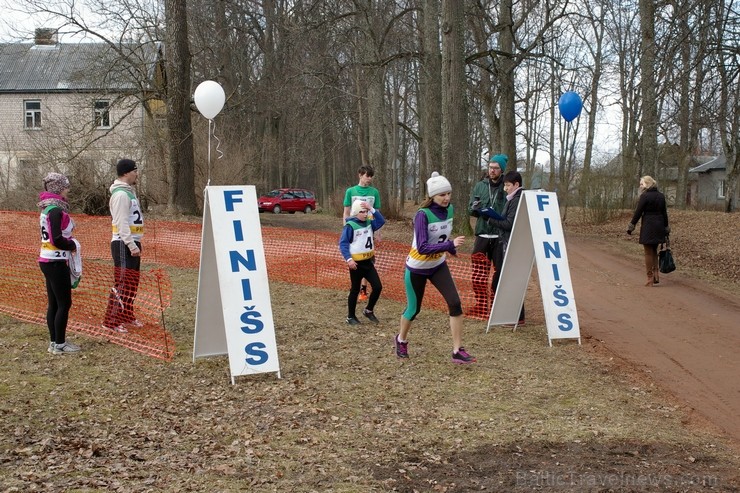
<point x="128" y="229"/>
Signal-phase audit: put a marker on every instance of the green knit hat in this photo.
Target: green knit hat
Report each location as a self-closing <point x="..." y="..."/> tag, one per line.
<point x="501" y="159"/>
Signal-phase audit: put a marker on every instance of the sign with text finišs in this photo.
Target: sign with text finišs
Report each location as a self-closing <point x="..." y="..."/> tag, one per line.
<point x="234" y="312"/>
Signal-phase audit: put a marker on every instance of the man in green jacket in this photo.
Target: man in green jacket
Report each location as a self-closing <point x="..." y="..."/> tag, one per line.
<point x="489" y="192"/>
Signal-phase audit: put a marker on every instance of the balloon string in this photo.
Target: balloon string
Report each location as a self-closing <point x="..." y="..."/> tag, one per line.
<point x="218" y="143"/>
<point x="208" y="181"/>
<point x="212" y="132"/>
<point x="573" y="143"/>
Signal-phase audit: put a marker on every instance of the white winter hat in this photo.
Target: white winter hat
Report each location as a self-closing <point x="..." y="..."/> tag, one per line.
<point x="356" y="207"/>
<point x="437" y="184"/>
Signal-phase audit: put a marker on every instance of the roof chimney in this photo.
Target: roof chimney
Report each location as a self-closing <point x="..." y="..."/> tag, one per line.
<point x="45" y="36"/>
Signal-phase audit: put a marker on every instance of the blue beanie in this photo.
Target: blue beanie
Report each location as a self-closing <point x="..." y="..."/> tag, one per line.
<point x="501" y="159"/>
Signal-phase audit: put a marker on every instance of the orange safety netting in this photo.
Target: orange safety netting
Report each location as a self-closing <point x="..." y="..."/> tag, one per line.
<point x="23" y="294"/>
<point x="312" y="258"/>
<point x="296" y="256"/>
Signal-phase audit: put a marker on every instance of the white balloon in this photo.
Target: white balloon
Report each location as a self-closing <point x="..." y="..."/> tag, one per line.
<point x="209" y="98"/>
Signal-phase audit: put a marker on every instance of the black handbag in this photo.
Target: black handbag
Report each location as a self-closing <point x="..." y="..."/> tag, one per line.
<point x="666" y="263"/>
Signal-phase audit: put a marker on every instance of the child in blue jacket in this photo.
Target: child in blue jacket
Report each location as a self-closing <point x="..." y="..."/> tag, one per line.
<point x="358" y="249"/>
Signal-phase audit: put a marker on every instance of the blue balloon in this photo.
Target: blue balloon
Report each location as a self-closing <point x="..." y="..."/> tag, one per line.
<point x="570" y="106"/>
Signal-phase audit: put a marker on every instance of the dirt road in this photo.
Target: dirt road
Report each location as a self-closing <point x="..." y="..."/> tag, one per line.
<point x="683" y="332"/>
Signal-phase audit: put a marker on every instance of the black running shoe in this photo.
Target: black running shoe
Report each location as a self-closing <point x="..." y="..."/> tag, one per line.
<point x="461" y="357"/>
<point x="370" y="316"/>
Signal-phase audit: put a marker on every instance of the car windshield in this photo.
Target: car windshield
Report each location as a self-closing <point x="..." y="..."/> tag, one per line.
<point x="274" y="193"/>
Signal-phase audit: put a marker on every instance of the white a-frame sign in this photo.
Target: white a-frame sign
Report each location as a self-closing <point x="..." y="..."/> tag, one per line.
<point x="234" y="313"/>
<point x="537" y="235"/>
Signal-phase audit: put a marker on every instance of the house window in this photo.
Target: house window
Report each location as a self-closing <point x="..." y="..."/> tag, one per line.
<point x="721" y="189"/>
<point x="102" y="114"/>
<point x="32" y="114"/>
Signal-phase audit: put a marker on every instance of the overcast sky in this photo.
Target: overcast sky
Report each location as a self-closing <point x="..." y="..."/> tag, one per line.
<point x="12" y="21"/>
<point x="16" y="25"/>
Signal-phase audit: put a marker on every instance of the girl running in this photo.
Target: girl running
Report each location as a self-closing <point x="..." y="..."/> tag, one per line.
<point x="427" y="262"/>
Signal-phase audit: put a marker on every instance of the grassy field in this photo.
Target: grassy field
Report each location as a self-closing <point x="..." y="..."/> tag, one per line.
<point x="346" y="416"/>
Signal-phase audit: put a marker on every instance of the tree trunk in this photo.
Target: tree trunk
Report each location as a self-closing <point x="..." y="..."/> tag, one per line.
<point x="455" y="152"/>
<point x="377" y="143"/>
<point x="684" y="108"/>
<point x="374" y="82"/>
<point x="729" y="112"/>
<point x="181" y="163"/>
<point x="649" y="140"/>
<point x="597" y="52"/>
<point x="487" y="90"/>
<point x="270" y="105"/>
<point x="506" y="82"/>
<point x="430" y="86"/>
<point x="551" y="132"/>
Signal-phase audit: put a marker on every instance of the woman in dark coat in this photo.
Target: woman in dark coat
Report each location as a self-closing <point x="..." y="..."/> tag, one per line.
<point x="654" y="228"/>
<point x="513" y="189"/>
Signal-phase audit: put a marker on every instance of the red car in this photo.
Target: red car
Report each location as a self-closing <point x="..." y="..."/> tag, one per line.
<point x="288" y="200"/>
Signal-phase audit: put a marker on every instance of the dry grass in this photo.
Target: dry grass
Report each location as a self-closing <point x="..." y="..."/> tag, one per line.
<point x="347" y="416"/>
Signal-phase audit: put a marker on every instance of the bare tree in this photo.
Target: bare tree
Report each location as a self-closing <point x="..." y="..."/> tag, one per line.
<point x="622" y="27"/>
<point x="485" y="87"/>
<point x="430" y="86"/>
<point x="455" y="149"/>
<point x="690" y="76"/>
<point x="506" y="81"/>
<point x="181" y="196"/>
<point x="728" y="67"/>
<point x="595" y="46"/>
<point x="370" y="48"/>
<point x="649" y="136"/>
<point x="316" y="88"/>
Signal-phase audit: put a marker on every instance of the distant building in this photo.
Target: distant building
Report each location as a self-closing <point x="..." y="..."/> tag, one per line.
<point x="74" y="108"/>
<point x="708" y="191"/>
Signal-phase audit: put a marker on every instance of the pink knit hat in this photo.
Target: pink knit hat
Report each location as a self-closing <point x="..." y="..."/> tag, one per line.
<point x="55" y="183"/>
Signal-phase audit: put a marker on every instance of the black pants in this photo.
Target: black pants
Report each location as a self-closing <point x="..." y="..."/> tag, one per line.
<point x="120" y="309"/>
<point x="416" y="285"/>
<point x="59" y="292"/>
<point x="495" y="249"/>
<point x="482" y="256"/>
<point x="498" y="255"/>
<point x="365" y="270"/>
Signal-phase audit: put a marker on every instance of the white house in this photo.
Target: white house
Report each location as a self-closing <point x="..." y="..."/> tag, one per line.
<point x="74" y="108"/>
